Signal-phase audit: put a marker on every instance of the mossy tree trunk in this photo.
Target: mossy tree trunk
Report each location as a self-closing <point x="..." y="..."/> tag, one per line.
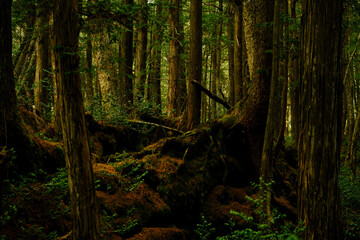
<point x="257" y="17"/>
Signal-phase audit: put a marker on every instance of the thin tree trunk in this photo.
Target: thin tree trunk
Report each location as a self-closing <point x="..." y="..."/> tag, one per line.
<point x="89" y="70"/>
<point x="140" y="54"/>
<point x="195" y="64"/>
<point x="230" y="33"/>
<point x="238" y="49"/>
<point x="294" y="81"/>
<point x="266" y="171"/>
<point x="126" y="61"/>
<point x="42" y="75"/>
<point x="155" y="66"/>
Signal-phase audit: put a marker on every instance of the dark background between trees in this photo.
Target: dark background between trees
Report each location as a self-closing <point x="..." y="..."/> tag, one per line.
<point x="192" y="96"/>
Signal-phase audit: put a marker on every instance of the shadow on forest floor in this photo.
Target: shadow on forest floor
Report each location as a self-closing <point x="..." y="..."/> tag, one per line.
<point x="196" y="185"/>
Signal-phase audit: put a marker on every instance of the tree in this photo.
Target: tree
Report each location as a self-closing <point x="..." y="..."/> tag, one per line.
<point x="174" y="103"/>
<point x="238" y="49"/>
<point x="77" y="154"/>
<point x="294" y="79"/>
<point x="230" y="33"/>
<point x="320" y="121"/>
<point x="42" y="74"/>
<point x="13" y="133"/>
<point x="257" y="15"/>
<point x="126" y="60"/>
<point x="195" y="64"/>
<point x="141" y="54"/>
<point x="155" y="64"/>
<point x="104" y="59"/>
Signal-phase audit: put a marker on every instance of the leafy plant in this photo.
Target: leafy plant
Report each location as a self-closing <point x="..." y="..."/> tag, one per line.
<point x="204" y="229"/>
<point x="263" y="229"/>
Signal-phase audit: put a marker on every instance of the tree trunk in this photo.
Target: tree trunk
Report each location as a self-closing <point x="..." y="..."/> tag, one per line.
<point x="266" y="171"/>
<point x="140" y="54"/>
<point x="195" y="64"/>
<point x="42" y="76"/>
<point x="104" y="59"/>
<point x="320" y="122"/>
<point x="126" y="61"/>
<point x="238" y="49"/>
<point x="174" y="103"/>
<point x="230" y="33"/>
<point x="89" y="93"/>
<point x="258" y="42"/>
<point x="77" y="154"/>
<point x="294" y="81"/>
<point x="155" y="65"/>
<point x="285" y="75"/>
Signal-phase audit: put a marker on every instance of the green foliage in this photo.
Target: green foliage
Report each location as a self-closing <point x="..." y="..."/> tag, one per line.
<point x="204" y="230"/>
<point x="58" y="185"/>
<point x="350" y="192"/>
<point x="109" y="220"/>
<point x="130" y="173"/>
<point x="263" y="229"/>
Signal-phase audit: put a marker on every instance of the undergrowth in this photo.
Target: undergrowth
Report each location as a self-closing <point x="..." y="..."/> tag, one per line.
<point x="253" y="228"/>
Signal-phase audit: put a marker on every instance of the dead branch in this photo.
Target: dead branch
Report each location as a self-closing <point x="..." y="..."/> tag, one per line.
<point x="156" y="125"/>
<point x="211" y="95"/>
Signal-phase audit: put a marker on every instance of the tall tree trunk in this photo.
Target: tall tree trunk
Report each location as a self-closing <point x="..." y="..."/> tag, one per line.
<point x="126" y="61"/>
<point x="155" y="65"/>
<point x="230" y="33"/>
<point x="258" y="42"/>
<point x="294" y="81"/>
<point x="320" y="122"/>
<point x="285" y="76"/>
<point x="238" y="49"/>
<point x="274" y="109"/>
<point x="174" y="103"/>
<point x="42" y="76"/>
<point x="195" y="64"/>
<point x="213" y="85"/>
<point x="104" y="59"/>
<point x="77" y="154"/>
<point x="57" y="119"/>
<point x="140" y="54"/>
<point x="89" y="70"/>
<point x="13" y="133"/>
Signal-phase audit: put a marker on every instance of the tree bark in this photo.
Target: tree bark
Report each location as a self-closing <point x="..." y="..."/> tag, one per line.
<point x="140" y="54"/>
<point x="155" y="65"/>
<point x="230" y="33"/>
<point x="13" y="133"/>
<point x="320" y="122"/>
<point x="294" y="80"/>
<point x="238" y="49"/>
<point x="270" y="138"/>
<point x="77" y="154"/>
<point x="258" y="36"/>
<point x="173" y="96"/>
<point x="195" y="64"/>
<point x="126" y="61"/>
<point x="42" y="74"/>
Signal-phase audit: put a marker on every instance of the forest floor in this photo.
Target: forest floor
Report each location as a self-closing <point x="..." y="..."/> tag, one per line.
<point x="156" y="184"/>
